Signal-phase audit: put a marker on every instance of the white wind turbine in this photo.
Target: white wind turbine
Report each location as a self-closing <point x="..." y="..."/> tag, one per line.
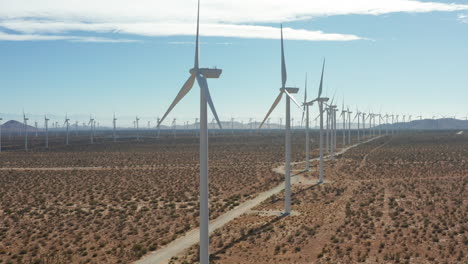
<point x="67" y="122"/>
<point x="288" y="91"/>
<point x="137" y="127"/>
<point x="232" y="125"/>
<point x="358" y="116"/>
<point x="343" y="114"/>
<point x="46" y="125"/>
<point x="25" y="120"/>
<point x="91" y="125"/>
<point x="1" y="134"/>
<point x="349" y="126"/>
<point x="114" y="127"/>
<point x="159" y="128"/>
<point x="305" y="111"/>
<point x="76" y="128"/>
<point x="333" y="111"/>
<point x="320" y="100"/>
<point x="35" y="125"/>
<point x="201" y="74"/>
<point x="174" y="125"/>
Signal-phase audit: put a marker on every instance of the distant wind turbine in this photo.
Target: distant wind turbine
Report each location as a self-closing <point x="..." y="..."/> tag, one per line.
<point x="114" y="127"/>
<point x="320" y="100"/>
<point x="25" y="120"/>
<point x="349" y="126"/>
<point x="305" y="111"/>
<point x="288" y="91"/>
<point x="1" y="134"/>
<point x="137" y="126"/>
<point x="343" y="114"/>
<point x="91" y="125"/>
<point x="67" y="120"/>
<point x="46" y="125"/>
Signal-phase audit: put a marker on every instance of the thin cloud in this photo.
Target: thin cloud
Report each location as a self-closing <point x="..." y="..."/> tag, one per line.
<point x="35" y="37"/>
<point x="173" y="29"/>
<point x="463" y="18"/>
<point x="230" y="18"/>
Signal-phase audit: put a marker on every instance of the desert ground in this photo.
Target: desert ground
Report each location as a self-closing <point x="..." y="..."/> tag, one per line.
<point x="399" y="199"/>
<point x="396" y="199"/>
<point x="113" y="202"/>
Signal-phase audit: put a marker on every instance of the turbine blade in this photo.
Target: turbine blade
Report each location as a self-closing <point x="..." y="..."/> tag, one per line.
<point x="293" y="99"/>
<point x="305" y="100"/>
<point x="321" y="80"/>
<point x="317" y="116"/>
<point x="204" y="85"/>
<point x="275" y="103"/>
<point x="196" y="40"/>
<point x="283" y="63"/>
<point x="183" y="91"/>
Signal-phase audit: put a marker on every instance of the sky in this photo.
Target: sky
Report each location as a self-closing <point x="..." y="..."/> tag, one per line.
<point x="131" y="58"/>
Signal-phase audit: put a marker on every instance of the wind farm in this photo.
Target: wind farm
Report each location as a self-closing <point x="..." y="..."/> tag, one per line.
<point x="340" y="168"/>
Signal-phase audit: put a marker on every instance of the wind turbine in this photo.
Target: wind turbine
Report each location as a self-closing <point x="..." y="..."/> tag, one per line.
<point x="358" y="116"/>
<point x="159" y="128"/>
<point x="137" y="127"/>
<point x="349" y="126"/>
<point x="114" y="125"/>
<point x="201" y="74"/>
<point x="232" y="125"/>
<point x="174" y="125"/>
<point x="68" y="125"/>
<point x="320" y="100"/>
<point x="56" y="128"/>
<point x="91" y="125"/>
<point x="35" y="125"/>
<point x="343" y="114"/>
<point x="305" y="110"/>
<point x="288" y="91"/>
<point x="25" y="120"/>
<point x="333" y="111"/>
<point x="46" y="124"/>
<point x="363" y="125"/>
<point x="327" y="136"/>
<point x="1" y="134"/>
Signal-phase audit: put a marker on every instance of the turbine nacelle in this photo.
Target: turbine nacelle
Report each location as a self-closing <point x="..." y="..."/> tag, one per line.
<point x="207" y="72"/>
<point x="291" y="90"/>
<point x="321" y="99"/>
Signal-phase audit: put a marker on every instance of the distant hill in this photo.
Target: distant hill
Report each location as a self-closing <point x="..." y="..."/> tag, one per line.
<point x="431" y="124"/>
<point x="15" y="126"/>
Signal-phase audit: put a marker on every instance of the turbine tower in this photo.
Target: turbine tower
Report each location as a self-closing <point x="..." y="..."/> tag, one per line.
<point x="349" y="126"/>
<point x="137" y="127"/>
<point x="1" y="134"/>
<point x="68" y="125"/>
<point x="174" y="125"/>
<point x="46" y="125"/>
<point x="232" y="125"/>
<point x="320" y="100"/>
<point x="159" y="127"/>
<point x="288" y="91"/>
<point x="305" y="110"/>
<point x="343" y="114"/>
<point x="114" y="125"/>
<point x="25" y="120"/>
<point x="358" y="115"/>
<point x="91" y="124"/>
<point x="201" y="75"/>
